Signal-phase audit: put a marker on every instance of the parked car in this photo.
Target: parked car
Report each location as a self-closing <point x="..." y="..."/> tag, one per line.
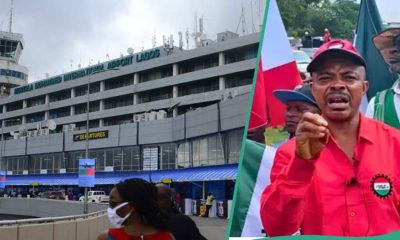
<point x="302" y="61"/>
<point x="57" y="195"/>
<point x="52" y="195"/>
<point x="96" y="197"/>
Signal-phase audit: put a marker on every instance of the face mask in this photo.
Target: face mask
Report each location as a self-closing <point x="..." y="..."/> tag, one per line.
<point x="116" y="220"/>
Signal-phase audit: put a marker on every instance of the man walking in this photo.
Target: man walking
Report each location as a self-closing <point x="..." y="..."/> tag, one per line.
<point x="209" y="200"/>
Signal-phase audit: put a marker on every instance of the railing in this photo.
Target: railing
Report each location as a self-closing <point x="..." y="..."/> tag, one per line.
<point x="50" y="219"/>
<point x="53" y="223"/>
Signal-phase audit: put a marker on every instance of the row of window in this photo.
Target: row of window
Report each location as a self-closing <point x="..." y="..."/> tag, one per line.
<point x="127" y="100"/>
<point x="8" y="48"/>
<point x="12" y="73"/>
<point x="214" y="149"/>
<point x="202" y="86"/>
<point x="245" y="53"/>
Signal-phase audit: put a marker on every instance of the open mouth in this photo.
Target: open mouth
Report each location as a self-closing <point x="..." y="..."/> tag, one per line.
<point x="291" y="123"/>
<point x="394" y="60"/>
<point x="338" y="102"/>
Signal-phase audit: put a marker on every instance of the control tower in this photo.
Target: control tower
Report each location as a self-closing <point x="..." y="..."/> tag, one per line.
<point x="12" y="74"/>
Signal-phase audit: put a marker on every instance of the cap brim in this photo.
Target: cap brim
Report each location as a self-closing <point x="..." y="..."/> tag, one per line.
<point x="385" y="39"/>
<point x="334" y="52"/>
<point x="286" y="96"/>
<point x="384" y="42"/>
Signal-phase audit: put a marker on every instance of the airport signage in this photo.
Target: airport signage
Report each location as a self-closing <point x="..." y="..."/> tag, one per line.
<point x="86" y="172"/>
<point x="90" y="136"/>
<point x="102" y="67"/>
<point x="167" y="180"/>
<point x="2" y="180"/>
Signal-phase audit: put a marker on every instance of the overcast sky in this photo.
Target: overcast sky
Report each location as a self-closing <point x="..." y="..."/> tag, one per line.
<point x="56" y="32"/>
<point x="59" y="34"/>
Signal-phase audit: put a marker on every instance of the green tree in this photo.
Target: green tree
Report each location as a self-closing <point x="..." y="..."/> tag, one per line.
<point x="299" y="16"/>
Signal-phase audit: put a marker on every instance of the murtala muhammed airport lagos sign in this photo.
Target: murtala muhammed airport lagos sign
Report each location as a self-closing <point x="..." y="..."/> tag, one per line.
<point x="120" y="62"/>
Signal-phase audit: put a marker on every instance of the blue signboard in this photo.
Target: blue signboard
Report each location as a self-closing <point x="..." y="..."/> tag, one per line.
<point x="86" y="172"/>
<point x="2" y="180"/>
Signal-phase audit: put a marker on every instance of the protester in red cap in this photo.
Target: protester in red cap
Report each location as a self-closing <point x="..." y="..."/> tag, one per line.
<point x="339" y="174"/>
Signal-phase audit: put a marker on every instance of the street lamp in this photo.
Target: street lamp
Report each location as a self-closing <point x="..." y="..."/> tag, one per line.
<point x="85" y="205"/>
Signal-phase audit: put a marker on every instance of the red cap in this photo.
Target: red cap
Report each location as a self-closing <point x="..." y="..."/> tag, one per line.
<point x="335" y="48"/>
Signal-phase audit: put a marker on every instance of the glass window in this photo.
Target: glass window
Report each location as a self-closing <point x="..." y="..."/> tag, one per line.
<point x="131" y="158"/>
<point x="109" y="157"/>
<point x="35" y="117"/>
<point x="99" y="156"/>
<point x="50" y="162"/>
<point x="196" y="153"/>
<point x="215" y="151"/>
<point x="121" y="101"/>
<point x="60" y="95"/>
<point x="168" y="156"/>
<point x="233" y="144"/>
<point x="3" y="164"/>
<point x="239" y="79"/>
<point x="205" y="85"/>
<point x="118" y="82"/>
<point x="36" y="101"/>
<point x="203" y="152"/>
<point x="73" y="161"/>
<point x="117" y="159"/>
<point x="183" y="154"/>
<point x="155" y="95"/>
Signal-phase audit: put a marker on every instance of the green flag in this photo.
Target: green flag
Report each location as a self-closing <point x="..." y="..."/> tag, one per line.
<point x="369" y="24"/>
<point x="253" y="177"/>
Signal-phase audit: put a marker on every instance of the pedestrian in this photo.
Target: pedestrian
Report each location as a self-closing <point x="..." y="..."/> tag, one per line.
<point x="209" y="200"/>
<point x="385" y="105"/>
<point x="181" y="226"/>
<point x="340" y="172"/>
<point x="327" y="36"/>
<point x="134" y="214"/>
<point x="70" y="195"/>
<point x="178" y="201"/>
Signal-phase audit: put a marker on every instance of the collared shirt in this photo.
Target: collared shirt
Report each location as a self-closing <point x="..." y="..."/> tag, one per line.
<point x="333" y="195"/>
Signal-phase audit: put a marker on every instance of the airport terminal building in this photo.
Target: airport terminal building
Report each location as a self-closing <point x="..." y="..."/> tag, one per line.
<point x="164" y="113"/>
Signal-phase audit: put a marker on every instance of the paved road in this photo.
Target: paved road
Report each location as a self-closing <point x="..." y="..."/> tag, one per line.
<point x="212" y="228"/>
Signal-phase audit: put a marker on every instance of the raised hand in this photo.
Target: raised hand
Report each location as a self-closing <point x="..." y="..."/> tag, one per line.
<point x="311" y="135"/>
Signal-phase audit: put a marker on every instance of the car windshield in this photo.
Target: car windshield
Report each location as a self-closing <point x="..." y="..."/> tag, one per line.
<point x="301" y="57"/>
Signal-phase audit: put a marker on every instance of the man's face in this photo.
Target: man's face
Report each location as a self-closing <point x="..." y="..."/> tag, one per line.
<point x="338" y="86"/>
<point x="294" y="112"/>
<point x="394" y="56"/>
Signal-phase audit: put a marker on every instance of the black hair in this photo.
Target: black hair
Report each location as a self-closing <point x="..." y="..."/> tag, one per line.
<point x="142" y="195"/>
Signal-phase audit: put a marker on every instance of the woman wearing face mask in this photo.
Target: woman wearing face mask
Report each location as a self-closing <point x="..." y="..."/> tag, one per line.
<point x="134" y="213"/>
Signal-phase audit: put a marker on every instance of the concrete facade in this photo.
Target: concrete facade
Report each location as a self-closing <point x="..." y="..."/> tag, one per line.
<point x="229" y="114"/>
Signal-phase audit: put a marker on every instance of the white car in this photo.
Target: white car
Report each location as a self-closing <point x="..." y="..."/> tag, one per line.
<point x="96" y="197"/>
<point x="302" y="61"/>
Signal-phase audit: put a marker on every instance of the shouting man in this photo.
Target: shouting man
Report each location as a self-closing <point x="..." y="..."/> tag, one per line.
<point x="339" y="174"/>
